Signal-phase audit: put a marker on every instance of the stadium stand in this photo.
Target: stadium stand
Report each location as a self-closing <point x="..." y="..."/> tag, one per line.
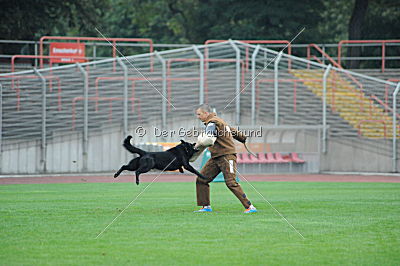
<point x="79" y="105"/>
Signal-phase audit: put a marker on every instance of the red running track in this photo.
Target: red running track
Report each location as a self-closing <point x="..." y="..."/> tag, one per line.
<point x="191" y="178"/>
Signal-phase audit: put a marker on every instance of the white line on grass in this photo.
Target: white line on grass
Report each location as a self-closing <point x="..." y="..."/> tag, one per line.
<point x="134" y="199"/>
<point x="297" y="231"/>
<point x="273" y="59"/>
<point x="115" y="47"/>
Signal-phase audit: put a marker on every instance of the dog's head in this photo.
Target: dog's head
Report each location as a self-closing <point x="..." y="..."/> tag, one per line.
<point x="188" y="148"/>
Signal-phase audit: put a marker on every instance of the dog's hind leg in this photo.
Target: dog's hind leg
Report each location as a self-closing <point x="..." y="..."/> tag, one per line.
<point x="146" y="164"/>
<point x="141" y="171"/>
<point x="132" y="166"/>
<point x="123" y="168"/>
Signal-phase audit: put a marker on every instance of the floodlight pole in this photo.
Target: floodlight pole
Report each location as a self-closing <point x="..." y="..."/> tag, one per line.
<point x="43" y="145"/>
<point x="200" y="55"/>
<point x="253" y="85"/>
<point x="324" y="138"/>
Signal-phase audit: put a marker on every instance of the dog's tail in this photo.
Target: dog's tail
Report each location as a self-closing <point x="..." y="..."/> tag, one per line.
<point x="127" y="144"/>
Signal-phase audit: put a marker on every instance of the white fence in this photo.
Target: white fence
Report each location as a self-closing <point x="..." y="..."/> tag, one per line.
<point x="86" y="109"/>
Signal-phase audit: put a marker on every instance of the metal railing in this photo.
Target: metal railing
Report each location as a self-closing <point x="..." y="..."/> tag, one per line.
<point x="376" y="55"/>
<point x="383" y="44"/>
<point x="123" y="93"/>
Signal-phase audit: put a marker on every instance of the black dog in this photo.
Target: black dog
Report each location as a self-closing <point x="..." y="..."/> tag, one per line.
<point x="172" y="159"/>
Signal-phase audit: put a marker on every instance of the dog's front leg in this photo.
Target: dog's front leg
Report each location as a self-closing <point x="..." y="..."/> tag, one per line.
<point x="194" y="171"/>
<point x="137" y="177"/>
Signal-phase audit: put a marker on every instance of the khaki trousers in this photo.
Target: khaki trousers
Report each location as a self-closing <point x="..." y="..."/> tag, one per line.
<point x="227" y="165"/>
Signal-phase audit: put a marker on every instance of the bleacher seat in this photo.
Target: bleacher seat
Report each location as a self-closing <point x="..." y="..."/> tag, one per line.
<point x="247" y="158"/>
<point x="280" y="158"/>
<point x="262" y="158"/>
<point x="239" y="158"/>
<point x="253" y="159"/>
<point x="295" y="158"/>
<point x="270" y="162"/>
<point x="271" y="158"/>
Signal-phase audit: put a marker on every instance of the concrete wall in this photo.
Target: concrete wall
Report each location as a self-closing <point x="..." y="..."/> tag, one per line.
<point x="64" y="154"/>
<point x="106" y="154"/>
<point x="354" y="157"/>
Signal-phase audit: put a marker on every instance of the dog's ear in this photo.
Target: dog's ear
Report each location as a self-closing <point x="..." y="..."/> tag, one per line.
<point x="182" y="141"/>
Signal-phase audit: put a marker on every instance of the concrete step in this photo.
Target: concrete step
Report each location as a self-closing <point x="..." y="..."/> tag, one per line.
<point x="351" y="105"/>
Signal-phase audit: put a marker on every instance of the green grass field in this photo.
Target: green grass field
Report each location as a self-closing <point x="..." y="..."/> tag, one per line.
<point x="56" y="224"/>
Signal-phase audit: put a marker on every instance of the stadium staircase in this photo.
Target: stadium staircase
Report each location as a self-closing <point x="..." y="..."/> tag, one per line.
<point x="363" y="113"/>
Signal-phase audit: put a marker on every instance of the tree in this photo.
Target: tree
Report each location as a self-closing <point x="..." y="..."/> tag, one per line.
<point x="355" y="29"/>
<point x="255" y="19"/>
<point x="195" y="21"/>
<point x="31" y="19"/>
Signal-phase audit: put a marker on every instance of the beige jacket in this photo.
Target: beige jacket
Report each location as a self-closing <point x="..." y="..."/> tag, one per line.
<point x="225" y="135"/>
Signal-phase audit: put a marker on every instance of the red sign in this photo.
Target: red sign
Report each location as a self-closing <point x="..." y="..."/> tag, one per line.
<point x="71" y="51"/>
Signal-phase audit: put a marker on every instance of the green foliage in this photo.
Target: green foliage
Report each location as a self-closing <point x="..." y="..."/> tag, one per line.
<point x="333" y="26"/>
<point x="56" y="224"/>
<point x="194" y="21"/>
<point x="382" y="20"/>
<point x="31" y="19"/>
<point x="191" y="21"/>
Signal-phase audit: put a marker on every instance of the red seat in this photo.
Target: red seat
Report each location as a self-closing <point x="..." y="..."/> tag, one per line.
<point x="270" y="158"/>
<point x="247" y="158"/>
<point x="280" y="158"/>
<point x="295" y="158"/>
<point x="239" y="158"/>
<point x="261" y="158"/>
<point x="254" y="159"/>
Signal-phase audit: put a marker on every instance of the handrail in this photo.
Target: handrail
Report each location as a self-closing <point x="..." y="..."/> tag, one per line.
<point x="383" y="42"/>
<point x="317" y="59"/>
<point x="289" y="46"/>
<point x="47" y="77"/>
<point x="313" y="45"/>
<point x="96" y="98"/>
<point x="256" y="42"/>
<point x="385" y="106"/>
<point x="113" y="40"/>
<point x="206" y="60"/>
<point x="169" y="79"/>
<point x="387" y="90"/>
<point x="39" y="57"/>
<point x="336" y="64"/>
<point x="169" y="86"/>
<point x="295" y="81"/>
<point x="371" y="121"/>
